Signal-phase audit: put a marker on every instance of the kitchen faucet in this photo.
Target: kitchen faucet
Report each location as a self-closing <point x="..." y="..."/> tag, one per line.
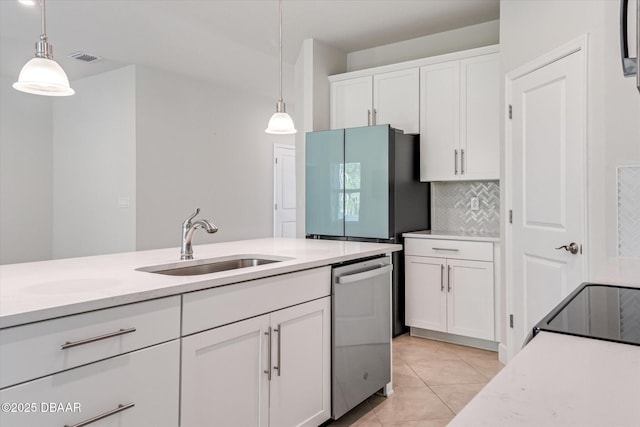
<point x="188" y="228"/>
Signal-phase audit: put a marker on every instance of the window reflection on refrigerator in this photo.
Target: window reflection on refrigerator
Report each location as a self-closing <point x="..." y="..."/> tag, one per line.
<point x="350" y="185"/>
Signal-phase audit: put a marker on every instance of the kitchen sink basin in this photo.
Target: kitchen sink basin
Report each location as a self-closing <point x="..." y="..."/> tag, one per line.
<point x="213" y="265"/>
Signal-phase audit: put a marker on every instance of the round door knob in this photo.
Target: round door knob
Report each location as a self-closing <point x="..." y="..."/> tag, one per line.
<point x="571" y="247"/>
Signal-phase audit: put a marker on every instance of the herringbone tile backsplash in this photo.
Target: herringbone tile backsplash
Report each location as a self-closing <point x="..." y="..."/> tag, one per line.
<point x="451" y="206"/>
<point x="629" y="211"/>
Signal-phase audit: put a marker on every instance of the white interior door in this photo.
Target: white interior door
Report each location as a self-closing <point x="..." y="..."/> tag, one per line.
<point x="284" y="191"/>
<point x="547" y="143"/>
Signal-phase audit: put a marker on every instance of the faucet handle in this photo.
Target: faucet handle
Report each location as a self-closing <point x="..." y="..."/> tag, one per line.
<point x="193" y="215"/>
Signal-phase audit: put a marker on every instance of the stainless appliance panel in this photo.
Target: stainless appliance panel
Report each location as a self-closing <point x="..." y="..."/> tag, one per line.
<point x="361" y="338"/>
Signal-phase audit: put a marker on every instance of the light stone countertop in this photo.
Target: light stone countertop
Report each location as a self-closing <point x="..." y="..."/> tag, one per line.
<point x="454" y="235"/>
<point x="35" y="291"/>
<point x="561" y="381"/>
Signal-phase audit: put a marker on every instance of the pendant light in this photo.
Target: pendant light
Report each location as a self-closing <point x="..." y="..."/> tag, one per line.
<point x="42" y="75"/>
<point x="280" y="123"/>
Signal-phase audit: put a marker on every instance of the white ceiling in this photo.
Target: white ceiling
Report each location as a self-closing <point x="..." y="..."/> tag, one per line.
<point x="229" y="41"/>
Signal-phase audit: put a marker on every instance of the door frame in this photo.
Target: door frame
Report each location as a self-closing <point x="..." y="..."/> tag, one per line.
<point x="276" y="147"/>
<point x="579" y="44"/>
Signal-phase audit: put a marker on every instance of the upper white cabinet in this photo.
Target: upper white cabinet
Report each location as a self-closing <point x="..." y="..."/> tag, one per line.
<point x="351" y="103"/>
<point x="385" y="98"/>
<point x="459" y="119"/>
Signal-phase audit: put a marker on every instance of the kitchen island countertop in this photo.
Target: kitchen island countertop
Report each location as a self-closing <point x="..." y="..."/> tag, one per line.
<point x="35" y="291"/>
<point x="561" y="381"/>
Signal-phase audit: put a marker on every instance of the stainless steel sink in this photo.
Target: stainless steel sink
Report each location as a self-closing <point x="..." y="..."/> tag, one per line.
<point x="213" y="265"/>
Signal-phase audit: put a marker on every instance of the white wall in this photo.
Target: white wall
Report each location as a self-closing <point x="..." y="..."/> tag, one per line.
<point x="484" y="34"/>
<point x="530" y="28"/>
<point x="26" y="178"/>
<point x="202" y="145"/>
<point x="316" y="62"/>
<point x="94" y="166"/>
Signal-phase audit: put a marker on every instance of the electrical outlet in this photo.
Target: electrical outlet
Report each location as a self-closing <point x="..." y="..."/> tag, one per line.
<point x="475" y="204"/>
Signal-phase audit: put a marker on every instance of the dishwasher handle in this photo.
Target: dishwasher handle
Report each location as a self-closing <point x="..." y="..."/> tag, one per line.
<point x="383" y="269"/>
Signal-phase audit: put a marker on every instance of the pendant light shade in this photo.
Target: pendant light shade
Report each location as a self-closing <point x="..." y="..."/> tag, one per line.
<point x="280" y="123"/>
<point x="42" y="75"/>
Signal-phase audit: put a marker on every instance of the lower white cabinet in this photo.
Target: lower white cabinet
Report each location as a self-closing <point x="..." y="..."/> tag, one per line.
<point x="140" y="388"/>
<point x="450" y="295"/>
<point x="270" y="370"/>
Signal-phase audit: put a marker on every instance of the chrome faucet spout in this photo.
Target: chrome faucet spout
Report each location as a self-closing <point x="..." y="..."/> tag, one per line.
<point x="188" y="228"/>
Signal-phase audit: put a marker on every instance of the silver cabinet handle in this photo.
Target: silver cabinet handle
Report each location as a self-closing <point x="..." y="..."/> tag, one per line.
<point x="98" y="338"/>
<point x="461" y="162"/>
<point x="448" y="278"/>
<point x="120" y="408"/>
<point x="368" y="117"/>
<point x="384" y="268"/>
<point x="455" y="162"/>
<point x="441" y="277"/>
<point x="375" y="117"/>
<point x="278" y="367"/>
<point x="446" y="249"/>
<point x="268" y="371"/>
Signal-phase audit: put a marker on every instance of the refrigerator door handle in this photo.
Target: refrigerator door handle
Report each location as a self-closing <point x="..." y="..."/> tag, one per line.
<point x="383" y="269"/>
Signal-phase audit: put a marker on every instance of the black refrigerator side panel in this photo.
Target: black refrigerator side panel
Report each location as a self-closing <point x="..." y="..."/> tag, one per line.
<point x="411" y="198"/>
<point x="409" y="210"/>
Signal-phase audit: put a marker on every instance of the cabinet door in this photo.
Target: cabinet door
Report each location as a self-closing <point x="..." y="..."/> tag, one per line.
<point x="480" y="136"/>
<point x="425" y="293"/>
<point x="470" y="300"/>
<point x="324" y="168"/>
<point x="351" y="102"/>
<point x="144" y="382"/>
<point x="223" y="382"/>
<point x="396" y="99"/>
<point x="439" y="121"/>
<point x="301" y="365"/>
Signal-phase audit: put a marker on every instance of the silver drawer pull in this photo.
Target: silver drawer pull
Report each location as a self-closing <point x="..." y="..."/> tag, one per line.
<point x="94" y="339"/>
<point x="120" y="408"/>
<point x="446" y="249"/>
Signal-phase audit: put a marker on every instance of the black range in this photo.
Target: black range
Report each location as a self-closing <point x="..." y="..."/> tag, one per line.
<point x="605" y="312"/>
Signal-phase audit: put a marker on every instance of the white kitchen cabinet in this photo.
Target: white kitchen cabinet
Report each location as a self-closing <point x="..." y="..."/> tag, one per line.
<point x="140" y="388"/>
<point x="459" y="119"/>
<point x="385" y="98"/>
<point x="43" y="348"/>
<point x="351" y="103"/>
<point x="272" y="370"/>
<point x="446" y="293"/>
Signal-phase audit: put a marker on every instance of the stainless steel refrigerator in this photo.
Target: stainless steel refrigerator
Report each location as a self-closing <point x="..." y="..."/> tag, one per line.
<point x="363" y="184"/>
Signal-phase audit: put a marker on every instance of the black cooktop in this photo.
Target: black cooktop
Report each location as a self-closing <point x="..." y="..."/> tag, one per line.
<point x="605" y="312"/>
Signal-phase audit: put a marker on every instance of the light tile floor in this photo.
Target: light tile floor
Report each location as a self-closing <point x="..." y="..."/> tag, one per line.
<point x="432" y="382"/>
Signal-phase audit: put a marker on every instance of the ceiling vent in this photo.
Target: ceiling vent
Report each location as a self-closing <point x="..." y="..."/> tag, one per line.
<point x="85" y="57"/>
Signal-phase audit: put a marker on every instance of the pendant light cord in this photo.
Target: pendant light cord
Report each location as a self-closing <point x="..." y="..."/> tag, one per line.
<point x="43" y="20"/>
<point x="280" y="10"/>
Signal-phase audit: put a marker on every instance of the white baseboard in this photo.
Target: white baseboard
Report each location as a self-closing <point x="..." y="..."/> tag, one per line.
<point x="454" y="339"/>
<point x="503" y="354"/>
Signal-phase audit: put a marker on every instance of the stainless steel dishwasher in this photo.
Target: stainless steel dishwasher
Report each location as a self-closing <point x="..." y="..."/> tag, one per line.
<point x="361" y="332"/>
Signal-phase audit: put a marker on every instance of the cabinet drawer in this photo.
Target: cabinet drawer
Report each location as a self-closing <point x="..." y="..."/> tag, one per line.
<point x="38" y="349"/>
<point x="227" y="304"/>
<point x="148" y="379"/>
<point x="455" y="249"/>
